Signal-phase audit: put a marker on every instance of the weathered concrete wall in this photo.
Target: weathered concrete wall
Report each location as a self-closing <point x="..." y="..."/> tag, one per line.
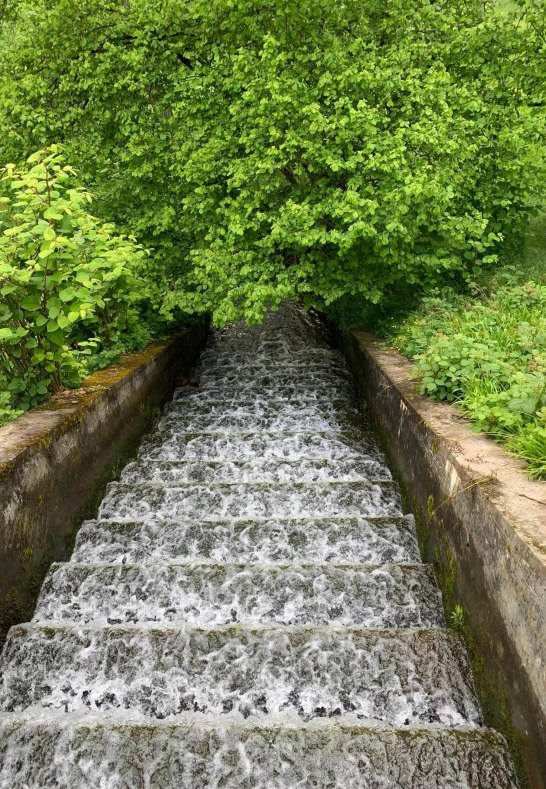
<point x="55" y="460"/>
<point x="483" y="523"/>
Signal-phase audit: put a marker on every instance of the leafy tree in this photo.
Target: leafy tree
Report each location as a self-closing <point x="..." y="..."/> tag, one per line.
<point x="274" y="148"/>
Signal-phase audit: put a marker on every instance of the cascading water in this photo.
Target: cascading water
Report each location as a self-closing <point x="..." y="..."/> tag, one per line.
<point x="249" y="608"/>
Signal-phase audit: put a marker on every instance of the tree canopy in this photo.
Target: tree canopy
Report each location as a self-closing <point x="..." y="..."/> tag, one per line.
<point x="272" y="148"/>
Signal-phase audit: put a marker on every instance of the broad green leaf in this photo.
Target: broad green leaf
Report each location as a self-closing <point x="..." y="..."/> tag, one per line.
<point x="31" y="303"/>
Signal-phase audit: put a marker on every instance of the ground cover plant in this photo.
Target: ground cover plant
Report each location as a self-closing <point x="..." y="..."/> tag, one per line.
<point x="488" y="354"/>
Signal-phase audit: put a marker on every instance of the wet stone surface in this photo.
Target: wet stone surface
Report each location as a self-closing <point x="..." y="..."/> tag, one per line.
<point x="386" y="596"/>
<point x="249" y="608"/>
<point x="272" y="471"/>
<point x="95" y="754"/>
<point x="398" y="677"/>
<point x="337" y="540"/>
<point x="258" y="500"/>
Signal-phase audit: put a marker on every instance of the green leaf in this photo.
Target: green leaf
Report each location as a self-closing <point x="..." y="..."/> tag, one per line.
<point x="52" y="213"/>
<point x="31" y="303"/>
<point x="64" y="321"/>
<point x="46" y="250"/>
<point x="67" y="294"/>
<point x="56" y="337"/>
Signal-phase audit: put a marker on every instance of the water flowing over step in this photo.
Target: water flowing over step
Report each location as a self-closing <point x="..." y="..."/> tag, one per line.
<point x="249" y="608"/>
<point x="337" y="540"/>
<point x="245" y="422"/>
<point x="276" y="471"/>
<point x="260" y="500"/>
<point x="89" y="751"/>
<point x="169" y="445"/>
<point x="403" y="677"/>
<point x="307" y="594"/>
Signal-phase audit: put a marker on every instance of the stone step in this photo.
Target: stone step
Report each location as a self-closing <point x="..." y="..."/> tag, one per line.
<point x="255" y="367"/>
<point x="260" y="347"/>
<point x="90" y="752"/>
<point x="227" y="423"/>
<point x="217" y="356"/>
<point x="335" y="540"/>
<point x="260" y="500"/>
<point x="252" y="340"/>
<point x="276" y="388"/>
<point x="275" y="340"/>
<point x="258" y="375"/>
<point x="400" y="596"/>
<point x="187" y="406"/>
<point x="232" y="398"/>
<point x="400" y="677"/>
<point x="277" y="329"/>
<point x="277" y="471"/>
<point x="331" y="445"/>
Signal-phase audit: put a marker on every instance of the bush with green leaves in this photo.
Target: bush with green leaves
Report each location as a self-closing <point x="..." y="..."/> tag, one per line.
<point x="69" y="284"/>
<point x="334" y="151"/>
<point x="488" y="354"/>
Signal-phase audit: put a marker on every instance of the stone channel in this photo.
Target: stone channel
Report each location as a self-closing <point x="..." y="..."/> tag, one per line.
<point x="249" y="608"/>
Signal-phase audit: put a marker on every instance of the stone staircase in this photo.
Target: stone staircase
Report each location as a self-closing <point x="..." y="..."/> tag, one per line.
<point x="249" y="608"/>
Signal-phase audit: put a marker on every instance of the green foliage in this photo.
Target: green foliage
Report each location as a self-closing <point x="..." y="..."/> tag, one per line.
<point x="456" y="617"/>
<point x="68" y="284"/>
<point x="529" y="443"/>
<point x="335" y="151"/>
<point x="489" y="355"/>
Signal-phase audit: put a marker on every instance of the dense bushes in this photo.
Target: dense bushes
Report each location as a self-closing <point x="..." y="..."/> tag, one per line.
<point x="489" y="355"/>
<point x="264" y="149"/>
<point x="69" y="285"/>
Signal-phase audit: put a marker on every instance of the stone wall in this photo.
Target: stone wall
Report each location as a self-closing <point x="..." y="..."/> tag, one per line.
<point x="56" y="459"/>
<point x="483" y="524"/>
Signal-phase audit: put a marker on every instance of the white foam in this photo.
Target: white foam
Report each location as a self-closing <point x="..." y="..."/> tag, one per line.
<point x="249" y="609"/>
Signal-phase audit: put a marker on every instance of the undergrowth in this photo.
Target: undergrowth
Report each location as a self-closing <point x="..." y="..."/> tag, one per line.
<point x="487" y="352"/>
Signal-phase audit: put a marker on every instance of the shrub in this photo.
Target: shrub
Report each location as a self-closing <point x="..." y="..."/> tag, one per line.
<point x="68" y="284"/>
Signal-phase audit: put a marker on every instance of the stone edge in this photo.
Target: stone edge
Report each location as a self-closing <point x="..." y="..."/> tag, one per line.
<point x="56" y="459"/>
<point x="482" y="522"/>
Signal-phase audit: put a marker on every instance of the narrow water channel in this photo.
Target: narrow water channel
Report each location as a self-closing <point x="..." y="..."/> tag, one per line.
<point x="249" y="608"/>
